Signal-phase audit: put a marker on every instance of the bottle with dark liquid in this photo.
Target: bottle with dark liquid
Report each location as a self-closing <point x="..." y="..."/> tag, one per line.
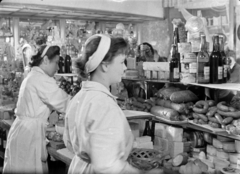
<point x="225" y="62"/>
<point x="214" y="61"/>
<point x="220" y="64"/>
<point x="174" y="65"/>
<point x="68" y="64"/>
<point x="61" y="65"/>
<point x="175" y="42"/>
<point x="203" y="63"/>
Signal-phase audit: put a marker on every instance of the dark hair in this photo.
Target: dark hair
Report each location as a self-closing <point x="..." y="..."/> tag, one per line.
<point x="145" y="43"/>
<point x="40" y="41"/>
<point x="118" y="46"/>
<point x="37" y="59"/>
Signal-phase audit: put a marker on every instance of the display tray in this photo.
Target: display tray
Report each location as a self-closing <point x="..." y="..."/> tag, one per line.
<point x="170" y="122"/>
<point x="207" y="127"/>
<point x="130" y="114"/>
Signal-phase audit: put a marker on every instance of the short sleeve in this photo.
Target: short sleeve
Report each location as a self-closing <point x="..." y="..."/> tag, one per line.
<point x="52" y="95"/>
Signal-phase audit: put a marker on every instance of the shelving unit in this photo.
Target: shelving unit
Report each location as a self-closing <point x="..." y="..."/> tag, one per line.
<point x="189" y="124"/>
<point x="203" y="128"/>
<point x="224" y="86"/>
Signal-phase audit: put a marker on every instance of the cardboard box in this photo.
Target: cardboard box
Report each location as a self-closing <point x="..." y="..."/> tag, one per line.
<point x="174" y="134"/>
<point x="161" y="144"/>
<point x="143" y="139"/>
<point x="160" y="130"/>
<point x="145" y="145"/>
<point x="135" y="129"/>
<point x="175" y="148"/>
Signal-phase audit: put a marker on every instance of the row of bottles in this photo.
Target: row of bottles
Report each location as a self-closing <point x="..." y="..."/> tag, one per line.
<point x="212" y="69"/>
<point x="65" y="64"/>
<point x="219" y="62"/>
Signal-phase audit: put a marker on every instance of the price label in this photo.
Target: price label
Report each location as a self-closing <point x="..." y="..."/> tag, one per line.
<point x="176" y="73"/>
<point x="220" y="72"/>
<point x="206" y="72"/>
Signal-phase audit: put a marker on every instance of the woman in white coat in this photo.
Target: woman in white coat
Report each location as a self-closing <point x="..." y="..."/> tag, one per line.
<point x="39" y="94"/>
<point x="96" y="130"/>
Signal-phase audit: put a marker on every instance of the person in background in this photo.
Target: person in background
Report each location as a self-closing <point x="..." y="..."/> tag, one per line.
<point x="96" y="129"/>
<point x="39" y="94"/>
<point x="145" y="52"/>
<point x="158" y="58"/>
<point x="226" y="95"/>
<point x="40" y="41"/>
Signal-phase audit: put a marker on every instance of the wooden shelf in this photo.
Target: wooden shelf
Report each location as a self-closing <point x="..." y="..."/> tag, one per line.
<point x="130" y="114"/>
<point x="224" y="86"/>
<point x="203" y="128"/>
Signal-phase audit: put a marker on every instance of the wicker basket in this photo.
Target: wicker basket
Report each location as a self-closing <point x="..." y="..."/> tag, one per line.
<point x="145" y="159"/>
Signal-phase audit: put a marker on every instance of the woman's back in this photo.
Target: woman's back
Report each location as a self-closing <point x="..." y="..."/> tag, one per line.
<point x="96" y="124"/>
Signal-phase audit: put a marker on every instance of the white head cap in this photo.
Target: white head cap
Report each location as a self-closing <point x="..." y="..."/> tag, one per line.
<point x="97" y="57"/>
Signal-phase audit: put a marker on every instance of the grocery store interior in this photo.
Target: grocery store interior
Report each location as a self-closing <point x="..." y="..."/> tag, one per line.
<point x="179" y="94"/>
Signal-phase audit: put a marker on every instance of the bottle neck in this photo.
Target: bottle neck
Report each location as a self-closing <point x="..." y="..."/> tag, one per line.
<point x="175" y="36"/>
<point x="221" y="47"/>
<point x="215" y="44"/>
<point x="215" y="47"/>
<point x="174" y="52"/>
<point x="203" y="44"/>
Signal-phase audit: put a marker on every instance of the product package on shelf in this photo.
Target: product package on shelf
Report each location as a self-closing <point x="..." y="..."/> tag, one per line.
<point x="144" y="142"/>
<point x="169" y="139"/>
<point x="135" y="128"/>
<point x="156" y="70"/>
<point x="188" y="67"/>
<point x="194" y="39"/>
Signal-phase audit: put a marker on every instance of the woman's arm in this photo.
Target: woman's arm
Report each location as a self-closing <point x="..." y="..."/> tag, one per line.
<point x="52" y="95"/>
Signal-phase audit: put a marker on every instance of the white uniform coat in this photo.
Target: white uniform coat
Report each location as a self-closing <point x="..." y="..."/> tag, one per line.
<point x="26" y="146"/>
<point x="97" y="132"/>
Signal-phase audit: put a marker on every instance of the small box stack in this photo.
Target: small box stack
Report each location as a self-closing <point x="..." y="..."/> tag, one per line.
<point x="168" y="139"/>
<point x="143" y="142"/>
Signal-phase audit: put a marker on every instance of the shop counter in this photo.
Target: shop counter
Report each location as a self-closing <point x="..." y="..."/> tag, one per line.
<point x="63" y="155"/>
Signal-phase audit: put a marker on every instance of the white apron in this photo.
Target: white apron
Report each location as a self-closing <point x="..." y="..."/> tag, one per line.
<point x="30" y="156"/>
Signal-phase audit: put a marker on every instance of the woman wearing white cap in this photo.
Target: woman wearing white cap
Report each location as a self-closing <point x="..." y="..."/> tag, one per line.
<point x="38" y="96"/>
<point x="96" y="129"/>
